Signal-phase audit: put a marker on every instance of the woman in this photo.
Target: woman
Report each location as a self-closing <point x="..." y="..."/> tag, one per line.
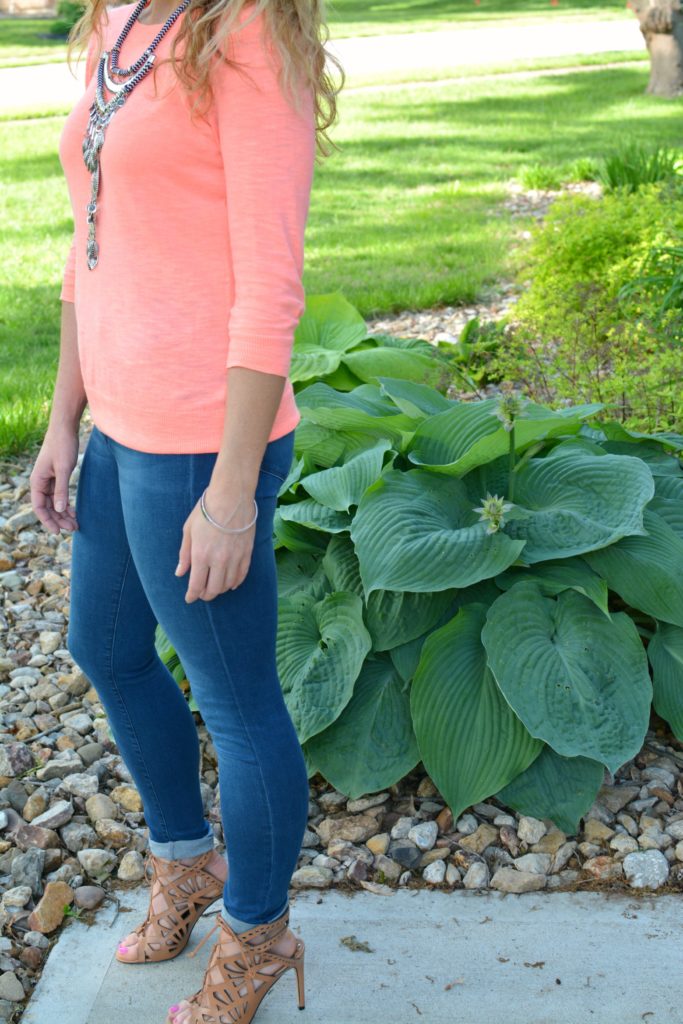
<point x="190" y="189"/>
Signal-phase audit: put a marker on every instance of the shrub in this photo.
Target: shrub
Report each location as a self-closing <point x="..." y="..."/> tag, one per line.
<point x="597" y="320"/>
<point x="492" y="587"/>
<point x="68" y="14"/>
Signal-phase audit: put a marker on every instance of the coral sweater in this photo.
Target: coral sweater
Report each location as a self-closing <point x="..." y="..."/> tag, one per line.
<point x="201" y="234"/>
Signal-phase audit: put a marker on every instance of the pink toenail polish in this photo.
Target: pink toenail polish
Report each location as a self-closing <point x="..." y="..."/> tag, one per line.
<point x="174" y="1009"/>
<point x="124" y="949"/>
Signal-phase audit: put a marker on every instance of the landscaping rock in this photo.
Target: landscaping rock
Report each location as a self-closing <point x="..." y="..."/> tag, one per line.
<point x="424" y="835"/>
<point x="356" y="828"/>
<point x="480" y="839"/>
<point x="89" y="896"/>
<point x="477" y="875"/>
<point x="435" y="873"/>
<point x="512" y="880"/>
<point x="646" y="870"/>
<point x="530" y="830"/>
<point x="308" y="875"/>
<point x="49" y="912"/>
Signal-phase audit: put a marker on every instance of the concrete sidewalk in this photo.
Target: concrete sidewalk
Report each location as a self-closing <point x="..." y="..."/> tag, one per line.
<point x="433" y="957"/>
<point x="449" y="50"/>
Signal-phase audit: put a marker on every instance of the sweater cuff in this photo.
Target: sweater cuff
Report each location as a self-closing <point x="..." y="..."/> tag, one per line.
<point x="270" y="354"/>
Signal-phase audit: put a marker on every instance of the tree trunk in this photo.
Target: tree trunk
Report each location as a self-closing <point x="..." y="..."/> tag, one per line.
<point x="661" y="22"/>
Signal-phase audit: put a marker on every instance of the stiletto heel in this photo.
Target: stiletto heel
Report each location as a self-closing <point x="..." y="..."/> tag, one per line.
<point x="221" y="1002"/>
<point x="299" y="967"/>
<point x="187" y="896"/>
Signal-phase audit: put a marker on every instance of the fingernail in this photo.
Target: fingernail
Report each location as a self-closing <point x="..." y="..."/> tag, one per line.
<point x="177" y="568"/>
<point x="59" y="505"/>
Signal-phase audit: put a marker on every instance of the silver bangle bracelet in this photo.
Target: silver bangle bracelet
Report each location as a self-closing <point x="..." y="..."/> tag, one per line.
<point x="225" y="529"/>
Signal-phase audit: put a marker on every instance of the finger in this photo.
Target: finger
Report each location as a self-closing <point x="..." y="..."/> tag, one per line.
<point x="40" y="500"/>
<point x="198" y="576"/>
<point x="60" y="496"/>
<point x="218" y="581"/>
<point x="65" y="520"/>
<point x="184" y="556"/>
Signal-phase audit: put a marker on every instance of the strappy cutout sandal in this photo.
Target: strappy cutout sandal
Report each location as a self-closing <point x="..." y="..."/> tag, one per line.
<point x="221" y="1003"/>
<point x="187" y="896"/>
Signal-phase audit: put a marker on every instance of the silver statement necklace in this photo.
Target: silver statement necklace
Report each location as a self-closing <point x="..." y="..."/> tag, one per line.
<point x="102" y="111"/>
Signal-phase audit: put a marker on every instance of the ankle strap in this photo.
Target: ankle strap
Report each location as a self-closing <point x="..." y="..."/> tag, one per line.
<point x="267" y="932"/>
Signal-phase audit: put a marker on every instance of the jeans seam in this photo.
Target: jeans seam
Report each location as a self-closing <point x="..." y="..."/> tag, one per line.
<point x="122" y="702"/>
<point x="276" y="475"/>
<point x="228" y="674"/>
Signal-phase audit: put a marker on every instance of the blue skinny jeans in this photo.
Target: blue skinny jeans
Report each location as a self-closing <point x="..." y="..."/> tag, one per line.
<point x="131" y="506"/>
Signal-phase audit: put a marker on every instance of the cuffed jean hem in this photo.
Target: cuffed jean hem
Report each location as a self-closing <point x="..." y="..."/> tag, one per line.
<point x="177" y="848"/>
<point x="238" y="925"/>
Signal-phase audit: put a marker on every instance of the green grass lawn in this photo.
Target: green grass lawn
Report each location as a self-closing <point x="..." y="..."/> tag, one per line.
<point x="359" y="18"/>
<point x="27" y="41"/>
<point x="23" y="40"/>
<point x="406" y="215"/>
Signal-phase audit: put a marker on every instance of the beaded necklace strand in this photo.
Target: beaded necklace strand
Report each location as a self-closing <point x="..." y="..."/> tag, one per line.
<point x="102" y="111"/>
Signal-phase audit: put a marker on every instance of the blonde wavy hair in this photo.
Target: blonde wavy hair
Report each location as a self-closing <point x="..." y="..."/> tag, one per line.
<point x="298" y="29"/>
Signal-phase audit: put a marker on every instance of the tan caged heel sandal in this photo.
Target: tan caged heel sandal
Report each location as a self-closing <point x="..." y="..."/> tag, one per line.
<point x="187" y="896"/>
<point x="221" y="1003"/>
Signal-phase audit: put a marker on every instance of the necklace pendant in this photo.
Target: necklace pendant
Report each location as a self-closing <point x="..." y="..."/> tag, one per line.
<point x="93" y="253"/>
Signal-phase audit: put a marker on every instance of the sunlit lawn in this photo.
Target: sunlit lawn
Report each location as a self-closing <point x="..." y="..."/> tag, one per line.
<point x="22" y="39"/>
<point x="406" y="215"/>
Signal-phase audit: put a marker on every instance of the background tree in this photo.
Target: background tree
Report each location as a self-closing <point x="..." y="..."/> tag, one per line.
<point x="661" y="22"/>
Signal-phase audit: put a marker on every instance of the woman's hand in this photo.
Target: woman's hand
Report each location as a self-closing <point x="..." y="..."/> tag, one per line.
<point x="50" y="477"/>
<point x="218" y="561"/>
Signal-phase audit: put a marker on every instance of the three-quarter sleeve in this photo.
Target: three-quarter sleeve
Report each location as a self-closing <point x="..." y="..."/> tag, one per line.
<point x="268" y="153"/>
<point x="68" y="276"/>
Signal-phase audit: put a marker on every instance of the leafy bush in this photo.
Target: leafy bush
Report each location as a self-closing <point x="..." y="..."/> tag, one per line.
<point x="634" y="165"/>
<point x="493" y="588"/>
<point x="600" y="318"/>
<point x="68" y="14"/>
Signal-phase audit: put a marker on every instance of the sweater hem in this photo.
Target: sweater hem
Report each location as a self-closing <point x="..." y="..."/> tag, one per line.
<point x="183" y="444"/>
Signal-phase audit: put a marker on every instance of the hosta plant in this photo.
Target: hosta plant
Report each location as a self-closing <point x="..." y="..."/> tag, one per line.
<point x="491" y="587"/>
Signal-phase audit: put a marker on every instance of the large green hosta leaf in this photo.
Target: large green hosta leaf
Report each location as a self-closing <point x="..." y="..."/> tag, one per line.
<point x="329" y="326"/>
<point x="301" y="571"/>
<point x="321" y="646"/>
<point x="371" y="363"/>
<point x="417" y="531"/>
<point x="665" y="652"/>
<point x="470" y="740"/>
<point x="660" y="460"/>
<point x="668" y="500"/>
<point x="321" y="446"/>
<point x="415" y="400"/>
<point x="393" y="617"/>
<point x="671" y="511"/>
<point x="470" y="434"/>
<point x="555" y="787"/>
<point x="647" y="572"/>
<point x="554" y="577"/>
<point x="296" y="537"/>
<point x="576" y="679"/>
<point x="618" y="432"/>
<point x="339" y="487"/>
<point x="311" y="768"/>
<point x="371" y="744"/>
<point x="315" y="516"/>
<point x="576" y="501"/>
<point x="361" y="410"/>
